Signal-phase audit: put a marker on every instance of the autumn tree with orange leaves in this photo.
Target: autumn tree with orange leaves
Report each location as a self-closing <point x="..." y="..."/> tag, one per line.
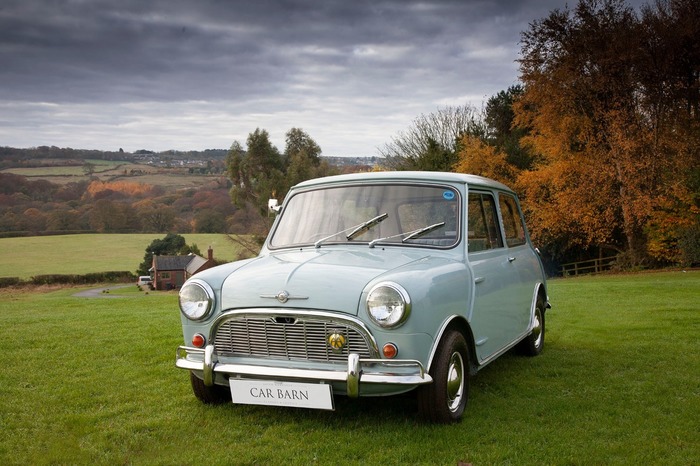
<point x="610" y="103"/>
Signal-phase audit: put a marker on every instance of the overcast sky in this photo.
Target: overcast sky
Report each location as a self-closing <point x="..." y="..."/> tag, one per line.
<point x="194" y="75"/>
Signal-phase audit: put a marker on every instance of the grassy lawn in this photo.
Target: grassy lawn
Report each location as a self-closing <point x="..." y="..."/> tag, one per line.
<point x="80" y="254"/>
<point x="92" y="380"/>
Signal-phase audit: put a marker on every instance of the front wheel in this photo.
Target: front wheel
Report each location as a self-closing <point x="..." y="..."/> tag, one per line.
<point x="209" y="395"/>
<point x="444" y="400"/>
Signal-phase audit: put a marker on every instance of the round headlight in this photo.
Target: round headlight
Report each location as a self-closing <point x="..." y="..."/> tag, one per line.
<point x="196" y="300"/>
<point x="388" y="305"/>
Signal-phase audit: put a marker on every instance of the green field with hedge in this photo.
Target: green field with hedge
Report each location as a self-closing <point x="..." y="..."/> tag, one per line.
<point x="27" y="257"/>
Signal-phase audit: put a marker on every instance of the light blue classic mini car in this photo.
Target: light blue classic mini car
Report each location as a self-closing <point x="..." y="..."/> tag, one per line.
<point x="369" y="284"/>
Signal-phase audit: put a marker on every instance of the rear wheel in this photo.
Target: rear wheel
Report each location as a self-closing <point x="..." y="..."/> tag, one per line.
<point x="444" y="400"/>
<point x="532" y="345"/>
<point x="209" y="395"/>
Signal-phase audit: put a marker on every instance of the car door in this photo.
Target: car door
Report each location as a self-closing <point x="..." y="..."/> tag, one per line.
<point x="497" y="316"/>
<point x="522" y="256"/>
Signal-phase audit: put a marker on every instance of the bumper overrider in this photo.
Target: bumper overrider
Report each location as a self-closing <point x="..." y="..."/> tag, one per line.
<point x="359" y="370"/>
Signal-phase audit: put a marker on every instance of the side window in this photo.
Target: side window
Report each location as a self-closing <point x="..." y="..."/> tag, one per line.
<point x="484" y="232"/>
<point x="512" y="221"/>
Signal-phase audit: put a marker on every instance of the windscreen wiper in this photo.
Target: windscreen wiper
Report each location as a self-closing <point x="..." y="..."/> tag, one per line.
<point x="409" y="234"/>
<point x="366" y="226"/>
<point x="356" y="230"/>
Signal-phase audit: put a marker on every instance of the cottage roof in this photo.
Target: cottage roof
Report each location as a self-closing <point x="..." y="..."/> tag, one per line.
<point x="194" y="264"/>
<point x="165" y="263"/>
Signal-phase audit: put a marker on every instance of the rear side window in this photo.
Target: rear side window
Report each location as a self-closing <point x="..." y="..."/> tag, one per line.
<point x="512" y="220"/>
<point x="484" y="232"/>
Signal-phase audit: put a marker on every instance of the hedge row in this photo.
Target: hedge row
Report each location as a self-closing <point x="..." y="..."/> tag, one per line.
<point x="22" y="234"/>
<point x="70" y="279"/>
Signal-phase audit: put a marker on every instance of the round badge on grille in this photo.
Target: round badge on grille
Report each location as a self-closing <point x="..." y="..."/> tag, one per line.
<point x="282" y="296"/>
<point x="337" y="342"/>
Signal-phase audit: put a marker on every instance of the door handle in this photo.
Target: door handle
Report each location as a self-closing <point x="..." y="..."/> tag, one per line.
<point x="511" y="259"/>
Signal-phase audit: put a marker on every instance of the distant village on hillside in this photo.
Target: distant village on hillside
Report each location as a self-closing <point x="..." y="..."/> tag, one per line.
<point x="27" y="157"/>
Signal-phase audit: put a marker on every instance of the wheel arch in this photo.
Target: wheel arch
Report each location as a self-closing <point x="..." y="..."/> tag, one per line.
<point x="541" y="292"/>
<point x="461" y="325"/>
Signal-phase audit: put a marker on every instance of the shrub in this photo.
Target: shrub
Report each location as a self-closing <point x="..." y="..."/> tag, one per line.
<point x="9" y="281"/>
<point x="73" y="279"/>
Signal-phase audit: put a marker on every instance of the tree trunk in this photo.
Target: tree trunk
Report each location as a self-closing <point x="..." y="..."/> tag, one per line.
<point x="634" y="235"/>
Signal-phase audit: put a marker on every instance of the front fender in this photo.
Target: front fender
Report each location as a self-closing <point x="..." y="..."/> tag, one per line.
<point x="439" y="289"/>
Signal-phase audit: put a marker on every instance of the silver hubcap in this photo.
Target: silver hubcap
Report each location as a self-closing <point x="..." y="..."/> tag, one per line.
<point x="455" y="381"/>
<point x="537" y="329"/>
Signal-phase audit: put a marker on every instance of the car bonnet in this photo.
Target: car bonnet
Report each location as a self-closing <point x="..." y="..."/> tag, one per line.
<point x="325" y="279"/>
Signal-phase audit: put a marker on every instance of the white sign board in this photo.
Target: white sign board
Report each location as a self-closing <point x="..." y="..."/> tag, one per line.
<point x="273" y="393"/>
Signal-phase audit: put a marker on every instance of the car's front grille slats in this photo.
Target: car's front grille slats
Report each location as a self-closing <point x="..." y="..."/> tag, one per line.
<point x="301" y="338"/>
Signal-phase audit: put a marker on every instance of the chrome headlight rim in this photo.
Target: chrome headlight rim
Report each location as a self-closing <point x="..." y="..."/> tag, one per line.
<point x="194" y="314"/>
<point x="395" y="318"/>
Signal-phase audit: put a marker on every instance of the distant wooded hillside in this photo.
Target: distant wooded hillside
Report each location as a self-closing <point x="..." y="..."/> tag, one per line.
<point x="52" y="190"/>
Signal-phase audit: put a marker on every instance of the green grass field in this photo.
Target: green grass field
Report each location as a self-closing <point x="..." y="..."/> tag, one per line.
<point x="92" y="381"/>
<point x="81" y="254"/>
<point x="66" y="170"/>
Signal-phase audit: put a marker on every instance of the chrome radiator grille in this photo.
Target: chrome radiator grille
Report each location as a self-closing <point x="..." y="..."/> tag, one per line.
<point x="298" y="338"/>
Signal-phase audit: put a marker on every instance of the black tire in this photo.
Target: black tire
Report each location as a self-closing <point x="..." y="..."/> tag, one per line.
<point x="532" y="345"/>
<point x="213" y="395"/>
<point x="444" y="400"/>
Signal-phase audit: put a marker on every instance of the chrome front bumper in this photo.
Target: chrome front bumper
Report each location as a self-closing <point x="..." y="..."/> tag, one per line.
<point x="358" y="370"/>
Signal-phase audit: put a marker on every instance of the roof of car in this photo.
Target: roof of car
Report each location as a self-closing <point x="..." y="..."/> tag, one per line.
<point x="447" y="177"/>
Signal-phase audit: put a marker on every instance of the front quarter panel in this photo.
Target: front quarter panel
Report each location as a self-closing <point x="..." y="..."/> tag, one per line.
<point x="439" y="288"/>
<point x="215" y="278"/>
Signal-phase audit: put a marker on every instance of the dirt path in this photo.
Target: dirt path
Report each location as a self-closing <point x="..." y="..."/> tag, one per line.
<point x="104" y="292"/>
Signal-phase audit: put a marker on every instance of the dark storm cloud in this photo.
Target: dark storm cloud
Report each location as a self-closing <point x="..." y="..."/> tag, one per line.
<point x="82" y="51"/>
<point x="86" y="51"/>
<point x="195" y="74"/>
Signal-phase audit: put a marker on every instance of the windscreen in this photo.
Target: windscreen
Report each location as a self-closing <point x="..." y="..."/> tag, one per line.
<point x="416" y="215"/>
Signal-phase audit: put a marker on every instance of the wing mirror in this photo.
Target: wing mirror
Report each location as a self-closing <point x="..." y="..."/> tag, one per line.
<point x="273" y="207"/>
